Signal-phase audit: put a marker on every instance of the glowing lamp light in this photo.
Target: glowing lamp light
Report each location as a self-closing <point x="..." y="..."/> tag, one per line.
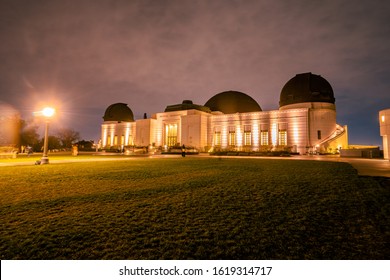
<point x="48" y="112"/>
<point x="383" y="118"/>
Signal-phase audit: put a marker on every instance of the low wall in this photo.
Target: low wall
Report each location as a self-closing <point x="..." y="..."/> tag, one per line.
<point x="361" y="153"/>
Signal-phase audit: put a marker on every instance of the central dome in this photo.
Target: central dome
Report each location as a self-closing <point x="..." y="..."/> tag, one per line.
<point x="118" y="112"/>
<point x="230" y="102"/>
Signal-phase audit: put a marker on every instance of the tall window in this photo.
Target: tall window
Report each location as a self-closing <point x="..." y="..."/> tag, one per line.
<point x="319" y="134"/>
<point x="264" y="137"/>
<point x="217" y="138"/>
<point x="247" y="135"/>
<point x="171" y="135"/>
<point x="130" y="140"/>
<point x="232" y="136"/>
<point x="283" y="137"/>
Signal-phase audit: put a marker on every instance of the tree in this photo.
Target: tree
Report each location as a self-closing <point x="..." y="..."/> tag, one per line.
<point x="85" y="145"/>
<point x="28" y="134"/>
<point x="67" y="137"/>
<point x="53" y="143"/>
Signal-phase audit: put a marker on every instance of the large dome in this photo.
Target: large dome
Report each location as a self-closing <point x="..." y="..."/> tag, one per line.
<point x="230" y="102"/>
<point x="118" y="112"/>
<point x="306" y="87"/>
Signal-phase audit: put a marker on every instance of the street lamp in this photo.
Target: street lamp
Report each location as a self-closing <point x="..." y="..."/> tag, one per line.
<point x="47" y="113"/>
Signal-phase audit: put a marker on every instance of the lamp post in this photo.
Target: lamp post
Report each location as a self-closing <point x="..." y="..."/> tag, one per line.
<point x="47" y="113"/>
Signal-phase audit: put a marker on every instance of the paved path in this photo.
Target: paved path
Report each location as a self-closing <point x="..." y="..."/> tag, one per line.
<point x="371" y="167"/>
<point x="365" y="167"/>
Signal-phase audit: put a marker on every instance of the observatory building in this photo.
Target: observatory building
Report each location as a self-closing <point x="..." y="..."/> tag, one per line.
<point x="384" y="124"/>
<point x="233" y="121"/>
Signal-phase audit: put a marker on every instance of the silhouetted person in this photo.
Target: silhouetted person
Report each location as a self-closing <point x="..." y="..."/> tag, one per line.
<point x="183" y="151"/>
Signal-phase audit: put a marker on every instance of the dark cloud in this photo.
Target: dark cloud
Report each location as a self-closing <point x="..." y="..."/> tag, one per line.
<point x="87" y="55"/>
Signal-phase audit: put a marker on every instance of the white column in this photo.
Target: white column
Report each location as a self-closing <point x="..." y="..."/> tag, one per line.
<point x="384" y="123"/>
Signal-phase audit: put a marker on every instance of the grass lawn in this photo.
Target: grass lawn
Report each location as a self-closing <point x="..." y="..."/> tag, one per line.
<point x="192" y="208"/>
<point x="23" y="158"/>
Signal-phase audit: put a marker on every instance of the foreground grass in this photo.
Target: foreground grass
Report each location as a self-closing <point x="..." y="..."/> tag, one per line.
<point x="192" y="208"/>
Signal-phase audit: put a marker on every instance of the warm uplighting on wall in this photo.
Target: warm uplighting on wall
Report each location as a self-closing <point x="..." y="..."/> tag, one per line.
<point x="295" y="133"/>
<point x="159" y="134"/>
<point x="274" y="134"/>
<point x="112" y="136"/>
<point x="239" y="136"/>
<point x="383" y="118"/>
<point x="104" y="138"/>
<point x="127" y="135"/>
<point x="255" y="135"/>
<point x="224" y="139"/>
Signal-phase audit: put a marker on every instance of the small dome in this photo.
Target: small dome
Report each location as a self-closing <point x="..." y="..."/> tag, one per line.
<point x="306" y="87"/>
<point x="118" y="112"/>
<point x="186" y="105"/>
<point x="230" y="102"/>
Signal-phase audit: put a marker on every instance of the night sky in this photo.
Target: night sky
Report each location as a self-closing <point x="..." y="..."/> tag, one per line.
<point x="82" y="56"/>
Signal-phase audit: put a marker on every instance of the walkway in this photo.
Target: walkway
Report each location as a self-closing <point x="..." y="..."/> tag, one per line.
<point x="371" y="167"/>
<point x="365" y="167"/>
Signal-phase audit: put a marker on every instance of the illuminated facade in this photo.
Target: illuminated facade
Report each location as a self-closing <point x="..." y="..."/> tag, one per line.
<point x="234" y="121"/>
<point x="384" y="124"/>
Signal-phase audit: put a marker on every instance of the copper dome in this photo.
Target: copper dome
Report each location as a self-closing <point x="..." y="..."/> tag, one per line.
<point x="118" y="112"/>
<point x="306" y="87"/>
<point x="230" y="102"/>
